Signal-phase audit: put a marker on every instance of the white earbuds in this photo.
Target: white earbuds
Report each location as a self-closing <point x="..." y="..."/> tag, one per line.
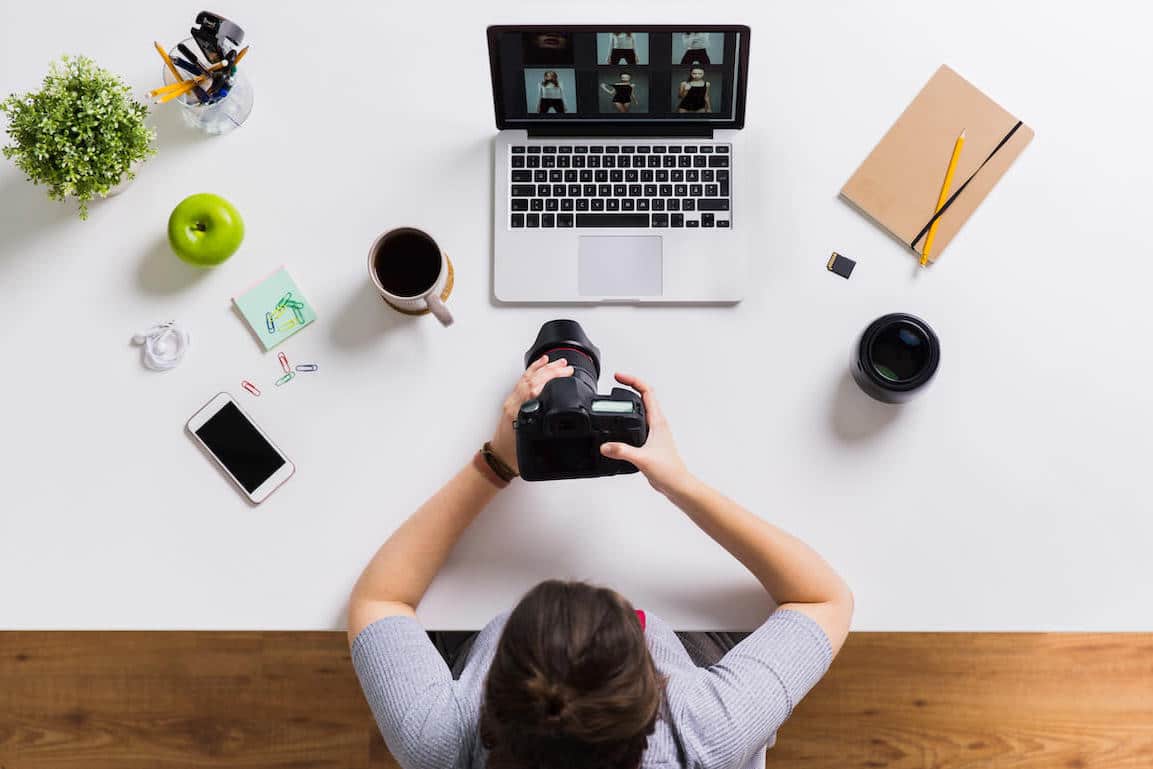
<point x="164" y="345"/>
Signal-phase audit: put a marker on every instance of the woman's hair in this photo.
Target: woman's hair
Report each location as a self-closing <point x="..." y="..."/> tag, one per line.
<point x="695" y="70"/>
<point x="572" y="684"/>
<point x="550" y="75"/>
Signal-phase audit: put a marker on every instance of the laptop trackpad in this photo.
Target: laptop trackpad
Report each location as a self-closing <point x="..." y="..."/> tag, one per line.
<point x="620" y="265"/>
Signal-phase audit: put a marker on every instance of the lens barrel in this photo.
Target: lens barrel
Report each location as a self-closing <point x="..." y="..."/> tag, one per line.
<point x="895" y="357"/>
<point x="566" y="339"/>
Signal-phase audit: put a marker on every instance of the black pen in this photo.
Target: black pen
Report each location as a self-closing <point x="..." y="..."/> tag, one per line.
<point x="188" y="54"/>
<point x="194" y="69"/>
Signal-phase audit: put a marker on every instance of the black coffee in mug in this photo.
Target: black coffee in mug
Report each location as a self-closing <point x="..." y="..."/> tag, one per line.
<point x="407" y="262"/>
<point x="895" y="357"/>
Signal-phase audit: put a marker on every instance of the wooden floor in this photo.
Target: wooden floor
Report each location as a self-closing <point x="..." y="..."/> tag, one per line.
<point x="291" y="700"/>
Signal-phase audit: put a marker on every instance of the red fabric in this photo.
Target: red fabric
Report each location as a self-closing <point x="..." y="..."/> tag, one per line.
<point x="641" y="617"/>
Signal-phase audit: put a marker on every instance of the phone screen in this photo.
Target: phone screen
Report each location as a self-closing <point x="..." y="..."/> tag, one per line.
<point x="240" y="447"/>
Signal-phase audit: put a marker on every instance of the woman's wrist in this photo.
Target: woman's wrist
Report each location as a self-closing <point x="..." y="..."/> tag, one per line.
<point x="486" y="471"/>
<point x="682" y="488"/>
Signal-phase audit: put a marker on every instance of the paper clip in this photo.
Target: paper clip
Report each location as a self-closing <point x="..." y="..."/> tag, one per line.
<point x="250" y="387"/>
<point x="306" y="367"/>
<point x="284" y="300"/>
<point x="285" y="379"/>
<point x="276" y="315"/>
<point x="295" y="305"/>
<point x="268" y="322"/>
<point x="299" y="315"/>
<point x="284" y="362"/>
<point x="288" y="325"/>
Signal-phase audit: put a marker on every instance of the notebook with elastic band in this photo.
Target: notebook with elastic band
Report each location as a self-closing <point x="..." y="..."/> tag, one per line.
<point x="898" y="184"/>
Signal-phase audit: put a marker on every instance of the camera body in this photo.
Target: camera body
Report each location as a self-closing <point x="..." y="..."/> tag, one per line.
<point x="559" y="434"/>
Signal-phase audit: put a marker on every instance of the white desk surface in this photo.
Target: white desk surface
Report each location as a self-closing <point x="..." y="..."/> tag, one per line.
<point x="1012" y="496"/>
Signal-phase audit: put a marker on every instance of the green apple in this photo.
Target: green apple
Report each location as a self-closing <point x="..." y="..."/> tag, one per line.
<point x="205" y="229"/>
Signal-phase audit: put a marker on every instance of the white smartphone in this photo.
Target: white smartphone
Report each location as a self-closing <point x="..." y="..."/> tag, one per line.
<point x="241" y="448"/>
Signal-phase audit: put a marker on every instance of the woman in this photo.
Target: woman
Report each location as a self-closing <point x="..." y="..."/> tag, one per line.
<point x="696" y="48"/>
<point x="622" y="91"/>
<point x="623" y="49"/>
<point x="551" y="94"/>
<point x="694" y="93"/>
<point x="573" y="678"/>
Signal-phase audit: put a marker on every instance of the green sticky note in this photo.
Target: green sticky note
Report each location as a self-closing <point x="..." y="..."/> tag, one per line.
<point x="259" y="306"/>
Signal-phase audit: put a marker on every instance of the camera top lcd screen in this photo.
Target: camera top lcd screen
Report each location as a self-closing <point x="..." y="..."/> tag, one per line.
<point x="645" y="74"/>
<point x="612" y="407"/>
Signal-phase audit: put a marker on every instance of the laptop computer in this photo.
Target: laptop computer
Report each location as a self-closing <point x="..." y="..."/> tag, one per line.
<point x="616" y="162"/>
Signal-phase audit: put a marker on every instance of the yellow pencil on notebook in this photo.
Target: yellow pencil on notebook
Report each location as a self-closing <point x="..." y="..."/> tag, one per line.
<point x="942" y="198"/>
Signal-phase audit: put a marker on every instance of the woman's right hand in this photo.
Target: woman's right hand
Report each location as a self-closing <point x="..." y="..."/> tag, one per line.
<point x="658" y="459"/>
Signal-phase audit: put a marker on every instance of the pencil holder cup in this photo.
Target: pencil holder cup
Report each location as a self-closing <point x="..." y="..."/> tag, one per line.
<point x="217" y="116"/>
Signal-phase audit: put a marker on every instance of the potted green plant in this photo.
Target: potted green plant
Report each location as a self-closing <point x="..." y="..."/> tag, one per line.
<point x="80" y="134"/>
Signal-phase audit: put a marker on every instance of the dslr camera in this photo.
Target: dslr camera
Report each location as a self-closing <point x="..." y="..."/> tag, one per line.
<point x="559" y="434"/>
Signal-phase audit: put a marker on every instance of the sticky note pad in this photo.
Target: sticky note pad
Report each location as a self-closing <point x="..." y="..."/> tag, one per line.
<point x="275" y="308"/>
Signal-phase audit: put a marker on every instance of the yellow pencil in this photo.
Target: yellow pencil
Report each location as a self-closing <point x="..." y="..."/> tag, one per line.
<point x="187" y="87"/>
<point x="171" y="67"/>
<point x="183" y="86"/>
<point x="942" y="198"/>
<point x="240" y="55"/>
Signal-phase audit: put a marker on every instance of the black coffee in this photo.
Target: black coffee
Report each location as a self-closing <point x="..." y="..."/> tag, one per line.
<point x="407" y="263"/>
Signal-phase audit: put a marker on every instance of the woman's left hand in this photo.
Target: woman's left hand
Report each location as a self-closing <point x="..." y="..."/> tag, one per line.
<point x="539" y="373"/>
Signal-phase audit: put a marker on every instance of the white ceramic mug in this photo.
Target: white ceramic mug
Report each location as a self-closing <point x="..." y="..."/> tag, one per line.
<point x="427" y="294"/>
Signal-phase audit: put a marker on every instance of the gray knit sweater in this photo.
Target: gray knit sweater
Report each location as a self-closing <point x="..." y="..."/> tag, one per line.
<point x="719" y="717"/>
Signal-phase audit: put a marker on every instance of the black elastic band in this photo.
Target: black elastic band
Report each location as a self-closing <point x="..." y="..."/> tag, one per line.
<point x="949" y="202"/>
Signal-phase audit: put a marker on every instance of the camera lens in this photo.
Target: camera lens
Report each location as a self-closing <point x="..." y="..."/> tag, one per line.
<point x="899" y="352"/>
<point x="895" y="357"/>
<point x="566" y="339"/>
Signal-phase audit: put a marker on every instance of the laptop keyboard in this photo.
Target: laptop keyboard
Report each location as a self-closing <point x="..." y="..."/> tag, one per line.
<point x="619" y="185"/>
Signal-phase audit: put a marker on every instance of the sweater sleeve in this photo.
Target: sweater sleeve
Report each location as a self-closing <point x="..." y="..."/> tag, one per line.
<point x="411" y="693"/>
<point x="728" y="712"/>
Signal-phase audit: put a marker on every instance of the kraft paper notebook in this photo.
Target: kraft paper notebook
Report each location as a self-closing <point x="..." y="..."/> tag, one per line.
<point x="898" y="184"/>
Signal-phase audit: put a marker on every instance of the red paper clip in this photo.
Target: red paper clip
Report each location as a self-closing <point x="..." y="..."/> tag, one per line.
<point x="284" y="362"/>
<point x="250" y="387"/>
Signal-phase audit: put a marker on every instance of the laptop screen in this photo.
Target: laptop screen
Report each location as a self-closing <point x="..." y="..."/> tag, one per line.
<point x="638" y="74"/>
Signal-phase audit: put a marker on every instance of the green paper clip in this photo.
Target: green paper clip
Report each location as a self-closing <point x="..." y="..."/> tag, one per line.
<point x="284" y="300"/>
<point x="285" y="379"/>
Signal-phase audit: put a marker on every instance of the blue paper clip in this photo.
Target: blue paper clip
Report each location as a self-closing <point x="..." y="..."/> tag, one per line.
<point x="269" y="322"/>
<point x="306" y="367"/>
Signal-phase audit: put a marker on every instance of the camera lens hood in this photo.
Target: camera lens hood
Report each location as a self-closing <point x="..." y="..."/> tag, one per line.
<point x="563" y="334"/>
